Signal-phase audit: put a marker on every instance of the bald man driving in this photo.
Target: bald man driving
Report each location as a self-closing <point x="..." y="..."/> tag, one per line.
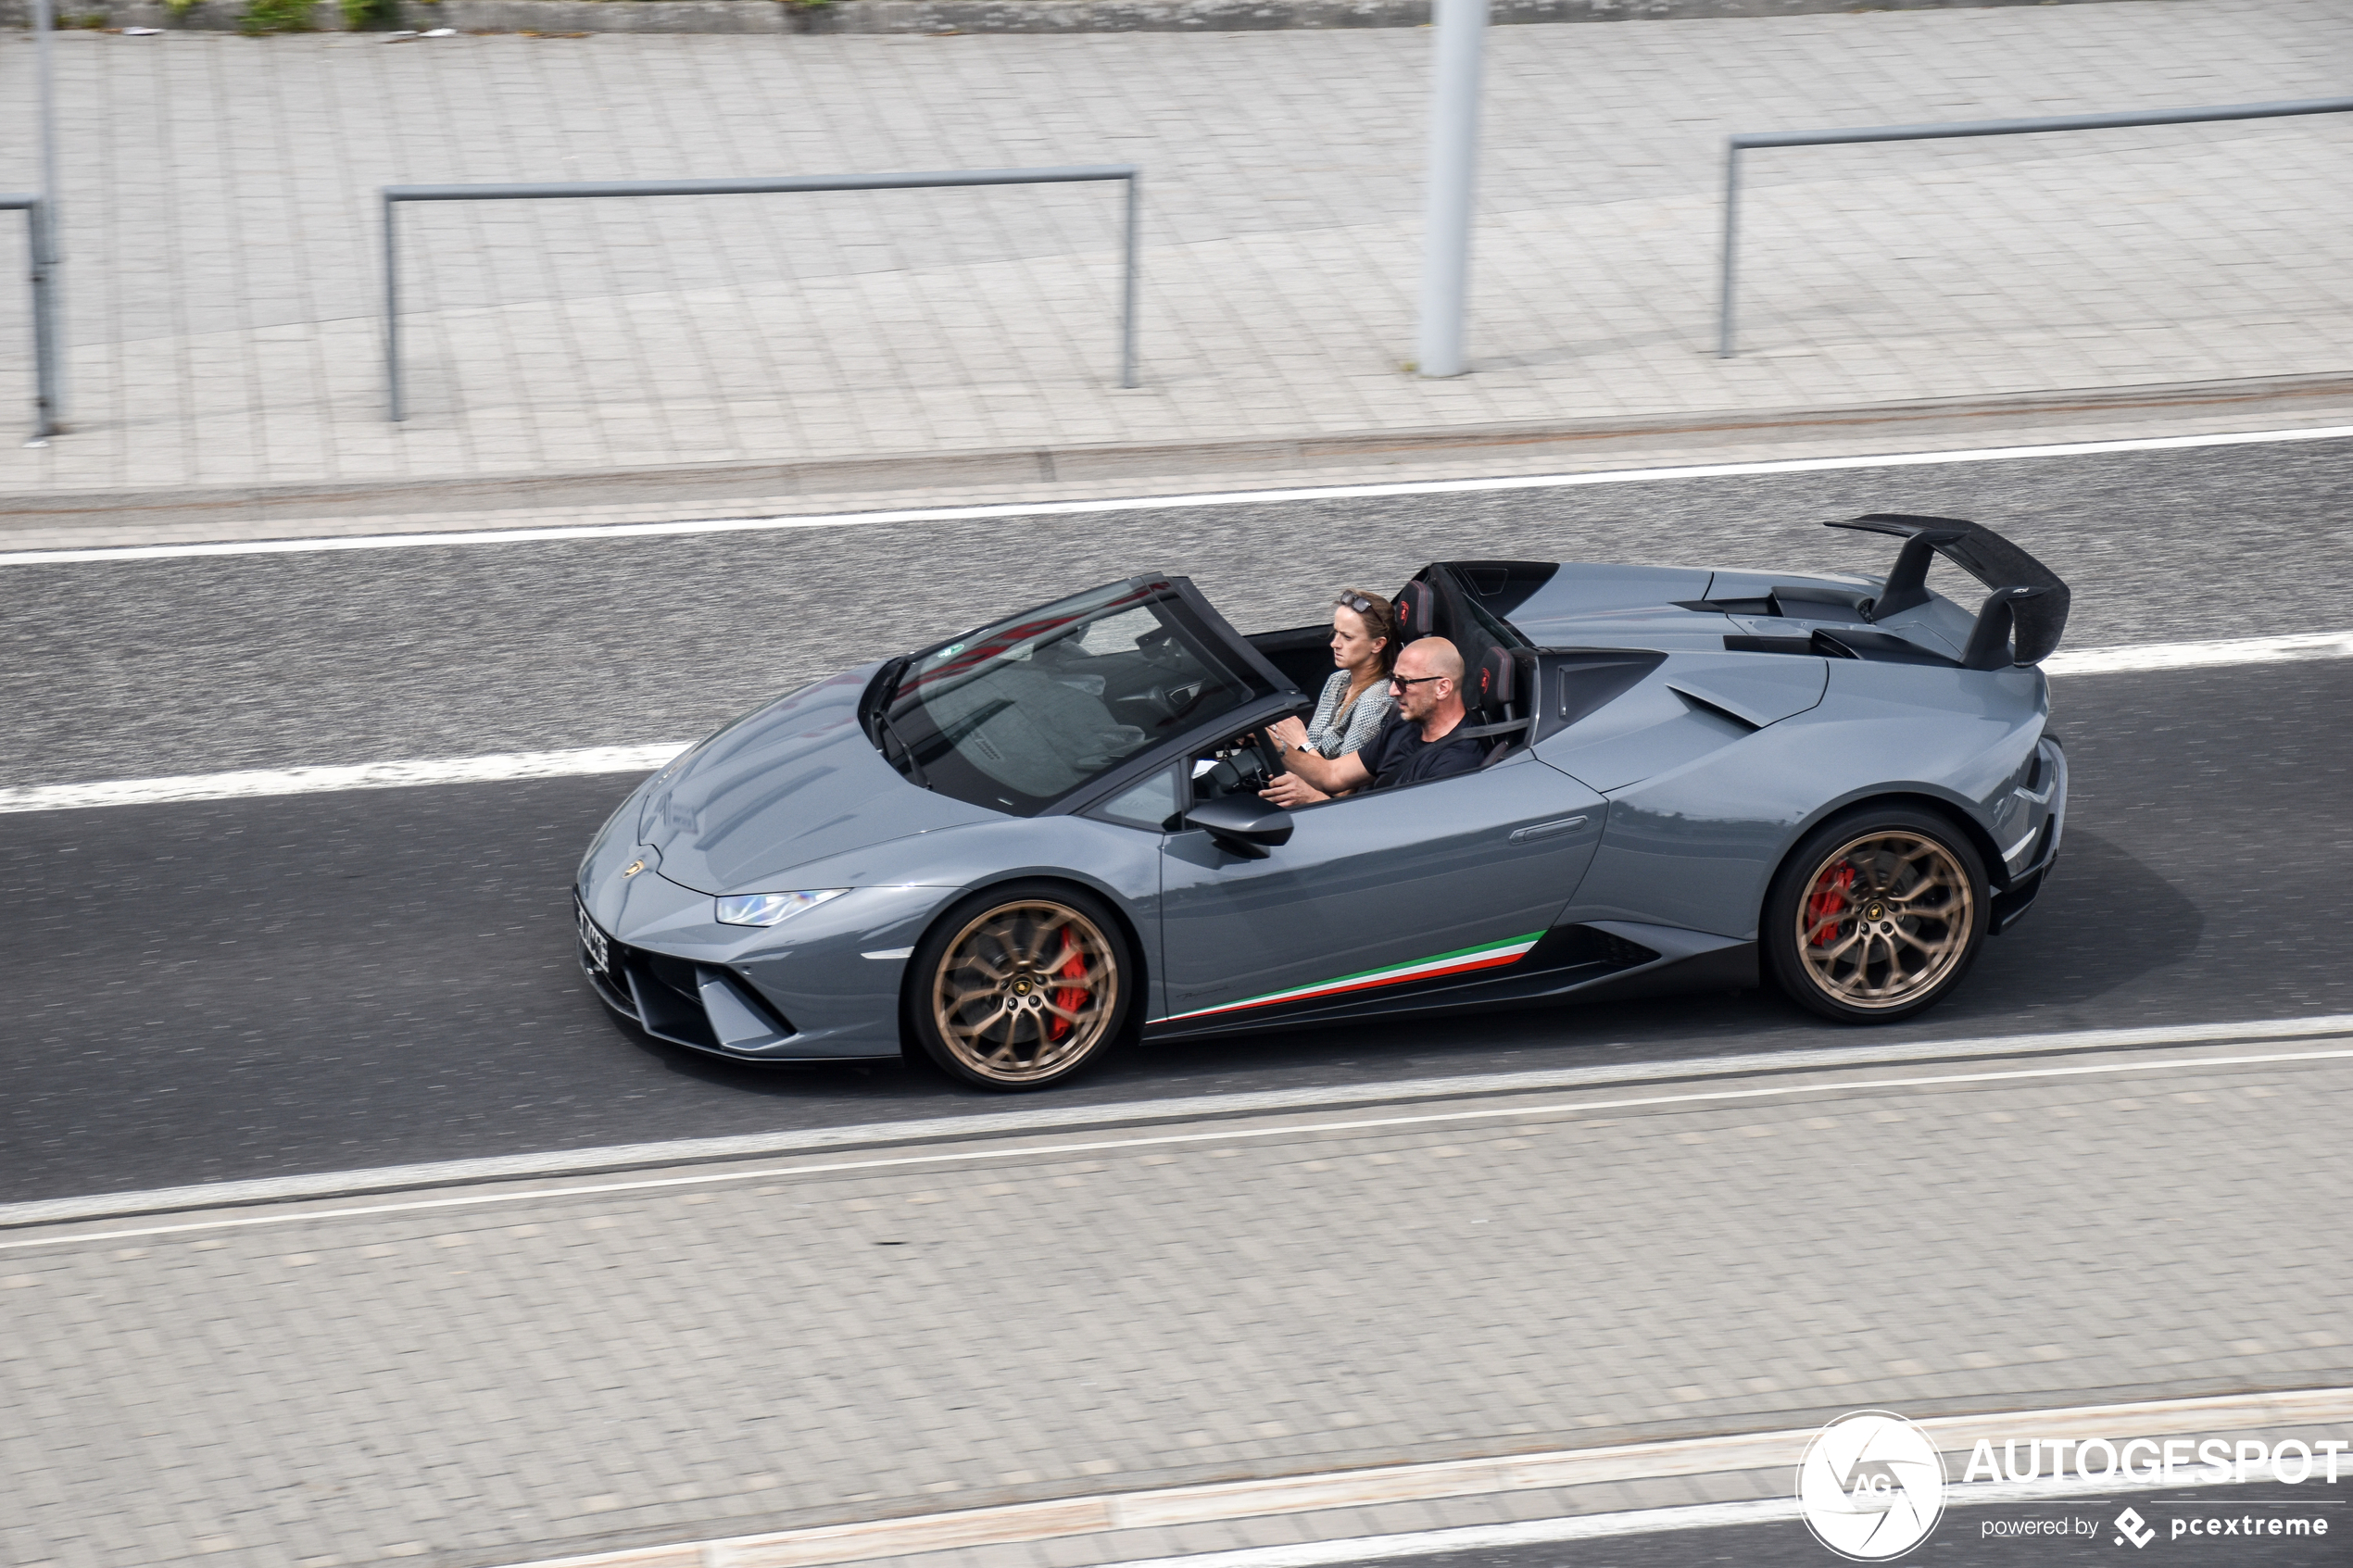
<point x="1412" y="746"/>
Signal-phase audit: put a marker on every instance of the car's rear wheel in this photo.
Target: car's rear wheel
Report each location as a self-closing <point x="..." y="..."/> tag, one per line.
<point x="1022" y="987"/>
<point x="1877" y="914"/>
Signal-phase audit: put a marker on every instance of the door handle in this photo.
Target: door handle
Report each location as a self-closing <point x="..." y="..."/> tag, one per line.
<point x="1546" y="830"/>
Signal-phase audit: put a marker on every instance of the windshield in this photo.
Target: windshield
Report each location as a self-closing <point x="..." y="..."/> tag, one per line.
<point x="1019" y="714"/>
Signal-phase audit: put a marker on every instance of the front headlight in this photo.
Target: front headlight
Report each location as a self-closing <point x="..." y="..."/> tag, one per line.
<point x="767" y="908"/>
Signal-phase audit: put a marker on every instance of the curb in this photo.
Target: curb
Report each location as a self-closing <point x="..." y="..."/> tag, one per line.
<point x="1220" y="1502"/>
<point x="254" y="506"/>
<point x="942" y="17"/>
<point x="1081" y="1119"/>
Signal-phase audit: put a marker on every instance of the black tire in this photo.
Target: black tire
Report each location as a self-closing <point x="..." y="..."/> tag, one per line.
<point x="1876" y="915"/>
<point x="981" y="1000"/>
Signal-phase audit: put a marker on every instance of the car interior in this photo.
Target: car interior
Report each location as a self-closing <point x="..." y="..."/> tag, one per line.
<point x="1021" y="713"/>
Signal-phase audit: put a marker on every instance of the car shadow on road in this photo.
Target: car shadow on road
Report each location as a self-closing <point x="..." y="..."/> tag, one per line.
<point x="2105" y="922"/>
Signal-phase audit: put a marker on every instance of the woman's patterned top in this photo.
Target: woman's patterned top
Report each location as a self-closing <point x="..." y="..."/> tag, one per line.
<point x="1336" y="734"/>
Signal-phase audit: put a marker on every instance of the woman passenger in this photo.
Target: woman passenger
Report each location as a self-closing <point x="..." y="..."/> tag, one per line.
<point x="1356" y="698"/>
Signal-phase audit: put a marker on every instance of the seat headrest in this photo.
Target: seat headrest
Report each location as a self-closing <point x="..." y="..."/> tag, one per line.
<point x="1417" y="609"/>
<point x="1491" y="681"/>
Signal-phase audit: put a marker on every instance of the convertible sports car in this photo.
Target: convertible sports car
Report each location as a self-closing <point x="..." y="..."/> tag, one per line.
<point x="1020" y="846"/>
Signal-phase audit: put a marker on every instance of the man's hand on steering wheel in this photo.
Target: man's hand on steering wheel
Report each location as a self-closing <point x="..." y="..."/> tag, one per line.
<point x="1290" y="790"/>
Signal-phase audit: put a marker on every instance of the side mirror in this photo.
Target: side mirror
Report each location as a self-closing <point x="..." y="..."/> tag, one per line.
<point x="1242" y="823"/>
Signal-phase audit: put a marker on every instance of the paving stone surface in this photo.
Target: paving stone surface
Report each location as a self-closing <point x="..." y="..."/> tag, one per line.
<point x="847" y="1338"/>
<point x="224" y="236"/>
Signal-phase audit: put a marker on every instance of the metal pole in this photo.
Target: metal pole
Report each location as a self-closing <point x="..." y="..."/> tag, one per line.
<point x="45" y="348"/>
<point x="392" y="315"/>
<point x="1128" y="302"/>
<point x="2041" y="124"/>
<point x="1732" y="238"/>
<point x="1454" y="166"/>
<point x="47" y="310"/>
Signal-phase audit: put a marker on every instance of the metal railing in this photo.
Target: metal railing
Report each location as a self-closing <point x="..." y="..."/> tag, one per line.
<point x="565" y="190"/>
<point x="47" y="367"/>
<point x="1736" y="144"/>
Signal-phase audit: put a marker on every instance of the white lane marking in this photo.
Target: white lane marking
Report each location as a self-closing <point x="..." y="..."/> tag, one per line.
<point x="498" y="768"/>
<point x="504" y="766"/>
<point x="1491" y="1537"/>
<point x="1632" y="1521"/>
<point x="1763" y="1455"/>
<point x="1103" y="1145"/>
<point x="1150" y="502"/>
<point x="2200" y="655"/>
<point x="1043" y="1119"/>
<point x="1494" y="1537"/>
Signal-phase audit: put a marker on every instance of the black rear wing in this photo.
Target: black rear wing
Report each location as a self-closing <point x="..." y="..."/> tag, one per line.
<point x="2021" y="621"/>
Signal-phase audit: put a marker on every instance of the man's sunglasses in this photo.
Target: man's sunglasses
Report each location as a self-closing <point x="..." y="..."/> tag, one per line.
<point x="1401" y="681"/>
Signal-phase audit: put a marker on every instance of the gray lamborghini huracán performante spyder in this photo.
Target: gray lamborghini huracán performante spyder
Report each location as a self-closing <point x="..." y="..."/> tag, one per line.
<point x="1020" y="845"/>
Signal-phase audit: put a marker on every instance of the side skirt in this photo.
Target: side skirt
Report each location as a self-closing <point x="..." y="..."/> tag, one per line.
<point x="1606" y="959"/>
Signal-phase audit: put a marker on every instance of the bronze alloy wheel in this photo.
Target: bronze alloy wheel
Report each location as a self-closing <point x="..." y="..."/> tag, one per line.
<point x="1885" y="919"/>
<point x="1023" y="993"/>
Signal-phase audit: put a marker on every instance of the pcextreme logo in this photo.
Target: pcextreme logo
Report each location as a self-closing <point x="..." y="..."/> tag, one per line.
<point x="1871" y="1486"/>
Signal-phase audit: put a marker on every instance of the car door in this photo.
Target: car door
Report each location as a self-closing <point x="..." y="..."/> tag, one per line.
<point x="1394" y="888"/>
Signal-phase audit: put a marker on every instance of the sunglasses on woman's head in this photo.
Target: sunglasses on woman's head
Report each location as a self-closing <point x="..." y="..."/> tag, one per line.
<point x="1356" y="602"/>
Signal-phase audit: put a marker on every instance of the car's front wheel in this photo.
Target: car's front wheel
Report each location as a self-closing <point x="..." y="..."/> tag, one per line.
<point x="1022" y="987"/>
<point x="1878" y="913"/>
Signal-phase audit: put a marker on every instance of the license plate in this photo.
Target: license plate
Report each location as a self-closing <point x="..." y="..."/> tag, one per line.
<point x="593" y="945"/>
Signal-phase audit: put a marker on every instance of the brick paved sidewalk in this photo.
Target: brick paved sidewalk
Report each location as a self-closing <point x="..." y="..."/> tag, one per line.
<point x="821" y="1343"/>
<point x="225" y="284"/>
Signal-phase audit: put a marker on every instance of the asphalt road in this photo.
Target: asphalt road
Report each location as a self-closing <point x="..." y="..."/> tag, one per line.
<point x="1967" y="1537"/>
<point x="144" y="668"/>
<point x="259" y="988"/>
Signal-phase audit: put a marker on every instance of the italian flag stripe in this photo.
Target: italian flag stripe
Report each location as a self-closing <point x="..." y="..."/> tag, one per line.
<point x="1490" y="955"/>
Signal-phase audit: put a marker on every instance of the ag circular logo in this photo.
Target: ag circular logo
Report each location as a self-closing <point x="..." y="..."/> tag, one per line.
<point x="1871" y="1486"/>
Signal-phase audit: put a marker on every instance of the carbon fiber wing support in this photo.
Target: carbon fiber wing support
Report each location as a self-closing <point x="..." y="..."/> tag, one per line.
<point x="2020" y="622"/>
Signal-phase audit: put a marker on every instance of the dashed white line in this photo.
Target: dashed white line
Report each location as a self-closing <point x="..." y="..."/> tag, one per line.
<point x="1152" y="503"/>
<point x="504" y="766"/>
<point x="497" y="768"/>
<point x="2200" y="655"/>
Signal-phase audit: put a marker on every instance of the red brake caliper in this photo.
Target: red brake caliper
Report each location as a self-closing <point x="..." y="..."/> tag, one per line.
<point x="1068" y="1000"/>
<point x="1826" y="904"/>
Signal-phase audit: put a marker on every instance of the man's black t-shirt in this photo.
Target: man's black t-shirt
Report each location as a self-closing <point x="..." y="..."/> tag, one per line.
<point x="1398" y="755"/>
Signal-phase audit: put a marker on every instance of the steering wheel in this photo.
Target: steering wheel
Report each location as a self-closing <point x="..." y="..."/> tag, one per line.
<point x="1245" y="767"/>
